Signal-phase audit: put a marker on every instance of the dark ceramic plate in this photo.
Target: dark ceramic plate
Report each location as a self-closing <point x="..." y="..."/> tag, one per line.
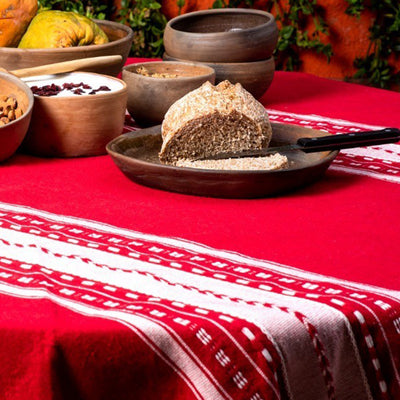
<point x="136" y="154"/>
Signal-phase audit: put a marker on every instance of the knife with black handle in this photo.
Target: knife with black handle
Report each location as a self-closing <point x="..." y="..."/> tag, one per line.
<point x="322" y="143"/>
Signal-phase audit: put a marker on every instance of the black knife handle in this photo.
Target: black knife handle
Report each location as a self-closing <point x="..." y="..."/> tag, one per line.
<point x="349" y="140"/>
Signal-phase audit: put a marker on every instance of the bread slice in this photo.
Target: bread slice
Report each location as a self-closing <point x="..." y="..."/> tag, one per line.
<point x="269" y="163"/>
<point x="213" y="119"/>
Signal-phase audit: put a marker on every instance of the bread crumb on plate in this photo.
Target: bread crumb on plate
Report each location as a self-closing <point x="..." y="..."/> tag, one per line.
<point x="269" y="163"/>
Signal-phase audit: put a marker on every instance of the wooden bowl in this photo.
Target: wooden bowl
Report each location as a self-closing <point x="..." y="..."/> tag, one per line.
<point x="74" y="126"/>
<point x="149" y="97"/>
<point x="13" y="133"/>
<point x="120" y="44"/>
<point x="223" y="35"/>
<point x="254" y="76"/>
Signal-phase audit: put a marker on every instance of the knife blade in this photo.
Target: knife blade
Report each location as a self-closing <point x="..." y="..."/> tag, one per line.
<point x="322" y="143"/>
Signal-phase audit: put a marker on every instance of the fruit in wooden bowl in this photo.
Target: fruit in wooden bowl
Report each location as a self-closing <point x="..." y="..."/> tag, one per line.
<point x="254" y="76"/>
<point x="16" y="103"/>
<point x="222" y="35"/>
<point x="120" y="41"/>
<point x="54" y="29"/>
<point x="75" y="114"/>
<point x="154" y="86"/>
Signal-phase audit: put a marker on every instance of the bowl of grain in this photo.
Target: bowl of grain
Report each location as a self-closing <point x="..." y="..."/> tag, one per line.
<point x="154" y="86"/>
<point x="120" y="41"/>
<point x="75" y="114"/>
<point x="16" y="104"/>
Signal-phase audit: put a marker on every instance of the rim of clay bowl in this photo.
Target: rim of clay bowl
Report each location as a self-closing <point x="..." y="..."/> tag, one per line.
<point x="22" y="85"/>
<point x="78" y="49"/>
<point x="210" y="70"/>
<point x="179" y="18"/>
<point x="268" y="60"/>
<point x="86" y="97"/>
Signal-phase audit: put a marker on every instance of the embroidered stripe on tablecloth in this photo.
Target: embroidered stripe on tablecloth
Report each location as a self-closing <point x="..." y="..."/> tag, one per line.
<point x="237" y="327"/>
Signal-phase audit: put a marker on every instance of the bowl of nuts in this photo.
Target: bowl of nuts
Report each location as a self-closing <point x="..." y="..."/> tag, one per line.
<point x="16" y="104"/>
<point x="75" y="114"/>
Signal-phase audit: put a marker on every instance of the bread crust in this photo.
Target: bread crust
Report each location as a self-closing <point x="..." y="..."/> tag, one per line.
<point x="208" y="107"/>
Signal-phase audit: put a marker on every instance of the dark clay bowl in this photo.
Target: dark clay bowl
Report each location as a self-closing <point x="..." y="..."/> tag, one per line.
<point x="254" y="76"/>
<point x="136" y="155"/>
<point x="13" y="133"/>
<point x="223" y="35"/>
<point x="149" y="97"/>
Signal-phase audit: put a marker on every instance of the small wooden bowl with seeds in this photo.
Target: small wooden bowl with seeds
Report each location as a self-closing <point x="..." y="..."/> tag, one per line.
<point x="16" y="104"/>
<point x="75" y="114"/>
<point x="154" y="86"/>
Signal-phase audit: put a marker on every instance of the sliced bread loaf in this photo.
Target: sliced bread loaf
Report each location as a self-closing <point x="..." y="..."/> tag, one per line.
<point x="213" y="119"/>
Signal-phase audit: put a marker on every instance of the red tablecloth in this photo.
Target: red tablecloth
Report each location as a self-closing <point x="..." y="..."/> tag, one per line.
<point x="118" y="291"/>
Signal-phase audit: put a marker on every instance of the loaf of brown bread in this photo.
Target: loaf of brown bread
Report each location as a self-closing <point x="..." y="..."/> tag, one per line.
<point x="213" y="119"/>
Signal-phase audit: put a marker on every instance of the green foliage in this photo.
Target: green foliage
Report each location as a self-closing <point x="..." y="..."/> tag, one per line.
<point x="180" y="4"/>
<point x="355" y="7"/>
<point x="143" y="16"/>
<point x="293" y="38"/>
<point x="97" y="9"/>
<point x="376" y="66"/>
<point x="233" y="3"/>
<point x="148" y="24"/>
